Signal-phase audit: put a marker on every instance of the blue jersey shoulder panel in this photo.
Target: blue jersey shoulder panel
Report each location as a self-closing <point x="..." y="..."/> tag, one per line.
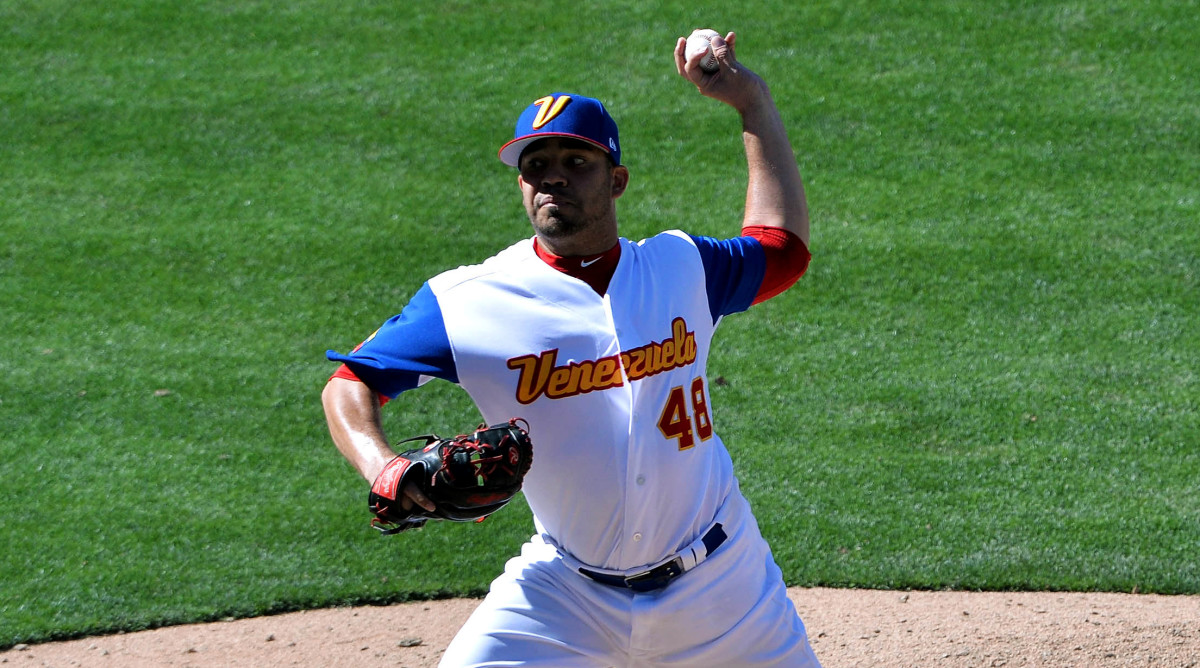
<point x="734" y="270"/>
<point x="406" y="349"/>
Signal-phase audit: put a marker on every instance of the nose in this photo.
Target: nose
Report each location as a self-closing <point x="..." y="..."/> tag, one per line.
<point x="554" y="176"/>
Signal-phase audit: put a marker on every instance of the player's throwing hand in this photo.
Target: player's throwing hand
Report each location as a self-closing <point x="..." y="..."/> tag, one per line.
<point x="732" y="83"/>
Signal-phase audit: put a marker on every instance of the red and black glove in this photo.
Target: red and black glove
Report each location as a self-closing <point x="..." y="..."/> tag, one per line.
<point x="467" y="477"/>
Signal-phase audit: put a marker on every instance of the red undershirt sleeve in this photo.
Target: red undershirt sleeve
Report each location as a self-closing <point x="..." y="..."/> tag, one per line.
<point x="344" y="371"/>
<point x="786" y="260"/>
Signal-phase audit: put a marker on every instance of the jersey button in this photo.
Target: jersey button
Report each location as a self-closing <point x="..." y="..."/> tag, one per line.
<point x="637" y="536"/>
<point x="641" y="480"/>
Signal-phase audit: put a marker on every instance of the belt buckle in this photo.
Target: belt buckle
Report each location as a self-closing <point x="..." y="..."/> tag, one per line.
<point x="656" y="578"/>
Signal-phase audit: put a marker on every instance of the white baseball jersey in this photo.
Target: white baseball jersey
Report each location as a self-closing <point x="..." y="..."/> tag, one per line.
<point x="628" y="469"/>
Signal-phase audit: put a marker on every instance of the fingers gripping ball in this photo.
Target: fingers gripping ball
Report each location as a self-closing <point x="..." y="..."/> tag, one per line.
<point x="467" y="477"/>
<point x="700" y="41"/>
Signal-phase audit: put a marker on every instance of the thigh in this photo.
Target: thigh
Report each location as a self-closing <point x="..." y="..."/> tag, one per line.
<point x="770" y="635"/>
<point x="539" y="613"/>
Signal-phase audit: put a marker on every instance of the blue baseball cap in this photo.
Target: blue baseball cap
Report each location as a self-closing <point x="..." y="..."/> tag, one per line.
<point x="563" y="115"/>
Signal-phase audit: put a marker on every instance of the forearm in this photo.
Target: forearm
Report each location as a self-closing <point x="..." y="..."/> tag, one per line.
<point x="774" y="192"/>
<point x="352" y="413"/>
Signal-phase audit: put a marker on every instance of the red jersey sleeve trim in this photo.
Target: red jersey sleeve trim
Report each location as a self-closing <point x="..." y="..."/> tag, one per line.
<point x="787" y="259"/>
<point x="344" y="372"/>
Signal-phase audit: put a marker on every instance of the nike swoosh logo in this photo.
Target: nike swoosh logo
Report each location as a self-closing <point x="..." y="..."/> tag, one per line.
<point x="588" y="263"/>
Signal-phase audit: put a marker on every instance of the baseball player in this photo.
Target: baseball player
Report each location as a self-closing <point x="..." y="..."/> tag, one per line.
<point x="645" y="553"/>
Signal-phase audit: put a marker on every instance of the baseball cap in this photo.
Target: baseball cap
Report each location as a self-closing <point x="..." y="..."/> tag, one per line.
<point x="563" y="115"/>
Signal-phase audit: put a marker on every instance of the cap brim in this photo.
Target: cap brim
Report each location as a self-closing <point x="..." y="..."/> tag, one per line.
<point x="510" y="153"/>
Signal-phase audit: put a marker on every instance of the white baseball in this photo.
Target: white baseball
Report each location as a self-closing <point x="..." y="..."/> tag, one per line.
<point x="700" y="41"/>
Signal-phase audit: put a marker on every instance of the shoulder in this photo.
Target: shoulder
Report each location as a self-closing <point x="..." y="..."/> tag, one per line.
<point x="714" y="254"/>
<point x="669" y="239"/>
<point x="671" y="244"/>
<point x="494" y="268"/>
<point x="705" y="246"/>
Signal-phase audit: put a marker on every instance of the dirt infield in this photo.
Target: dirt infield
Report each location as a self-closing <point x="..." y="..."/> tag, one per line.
<point x="846" y="627"/>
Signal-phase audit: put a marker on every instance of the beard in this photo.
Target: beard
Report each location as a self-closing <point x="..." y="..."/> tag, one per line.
<point x="558" y="224"/>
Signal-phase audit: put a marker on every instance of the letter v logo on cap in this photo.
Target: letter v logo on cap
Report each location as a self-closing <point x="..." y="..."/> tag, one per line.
<point x="549" y="109"/>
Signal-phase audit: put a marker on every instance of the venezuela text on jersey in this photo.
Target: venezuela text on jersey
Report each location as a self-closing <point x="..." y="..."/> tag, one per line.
<point x="540" y="375"/>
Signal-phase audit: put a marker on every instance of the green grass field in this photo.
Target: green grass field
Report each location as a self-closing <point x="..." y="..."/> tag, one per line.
<point x="987" y="380"/>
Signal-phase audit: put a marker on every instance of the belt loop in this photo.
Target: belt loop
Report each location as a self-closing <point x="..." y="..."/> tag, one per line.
<point x="713" y="539"/>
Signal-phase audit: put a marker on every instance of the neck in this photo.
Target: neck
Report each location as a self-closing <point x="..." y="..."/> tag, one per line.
<point x="595" y="269"/>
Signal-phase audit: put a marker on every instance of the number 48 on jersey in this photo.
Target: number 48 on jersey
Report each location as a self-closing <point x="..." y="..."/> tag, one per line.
<point x="682" y="408"/>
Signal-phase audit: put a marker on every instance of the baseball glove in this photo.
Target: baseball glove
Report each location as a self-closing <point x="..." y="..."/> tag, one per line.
<point x="467" y="477"/>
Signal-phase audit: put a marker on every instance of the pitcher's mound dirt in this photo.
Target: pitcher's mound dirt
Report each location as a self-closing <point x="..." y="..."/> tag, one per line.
<point x="846" y="627"/>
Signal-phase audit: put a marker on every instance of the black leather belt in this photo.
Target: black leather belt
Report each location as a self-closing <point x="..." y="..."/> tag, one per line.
<point x="661" y="575"/>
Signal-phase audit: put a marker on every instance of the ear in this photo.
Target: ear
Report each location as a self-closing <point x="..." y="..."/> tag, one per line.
<point x="620" y="180"/>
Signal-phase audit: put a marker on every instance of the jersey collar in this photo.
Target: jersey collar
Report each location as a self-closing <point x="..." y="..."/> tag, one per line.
<point x="595" y="270"/>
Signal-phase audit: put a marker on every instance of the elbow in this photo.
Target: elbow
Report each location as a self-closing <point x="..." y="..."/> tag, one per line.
<point x="786" y="258"/>
<point x="797" y="224"/>
<point x="344" y="390"/>
<point x="333" y="397"/>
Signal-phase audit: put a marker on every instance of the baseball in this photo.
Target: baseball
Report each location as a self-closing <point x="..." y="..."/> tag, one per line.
<point x="700" y="42"/>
